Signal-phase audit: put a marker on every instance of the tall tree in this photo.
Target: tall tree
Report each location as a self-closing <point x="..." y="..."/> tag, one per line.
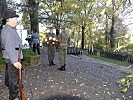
<point x="3" y="7"/>
<point x="33" y="13"/>
<point x="81" y="13"/>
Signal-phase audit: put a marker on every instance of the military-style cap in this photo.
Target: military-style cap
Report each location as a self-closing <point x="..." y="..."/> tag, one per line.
<point x="51" y="27"/>
<point x="10" y="13"/>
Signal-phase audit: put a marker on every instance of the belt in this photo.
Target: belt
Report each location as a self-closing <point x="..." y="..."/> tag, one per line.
<point x="63" y="42"/>
<point x="35" y="39"/>
<point x="15" y="49"/>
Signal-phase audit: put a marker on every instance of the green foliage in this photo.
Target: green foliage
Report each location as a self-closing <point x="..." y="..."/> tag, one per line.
<point x="125" y="82"/>
<point x="128" y="48"/>
<point x="37" y="1"/>
<point x="75" y="13"/>
<point x="27" y="53"/>
<point x="129" y="4"/>
<point x="98" y="46"/>
<point x="1" y="60"/>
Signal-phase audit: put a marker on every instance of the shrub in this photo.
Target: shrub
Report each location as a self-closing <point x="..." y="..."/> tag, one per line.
<point x="26" y="54"/>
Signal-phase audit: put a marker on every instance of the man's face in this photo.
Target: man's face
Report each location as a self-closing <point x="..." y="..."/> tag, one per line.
<point x="51" y="30"/>
<point x="62" y="29"/>
<point x="13" y="21"/>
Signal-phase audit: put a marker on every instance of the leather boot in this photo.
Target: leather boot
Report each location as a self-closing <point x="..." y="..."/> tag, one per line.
<point x="52" y="63"/>
<point x="62" y="68"/>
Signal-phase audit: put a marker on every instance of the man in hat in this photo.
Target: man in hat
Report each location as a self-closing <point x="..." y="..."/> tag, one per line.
<point x="11" y="42"/>
<point x="51" y="47"/>
<point x="62" y="49"/>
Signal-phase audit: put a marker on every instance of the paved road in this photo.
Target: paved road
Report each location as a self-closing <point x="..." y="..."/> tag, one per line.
<point x="84" y="79"/>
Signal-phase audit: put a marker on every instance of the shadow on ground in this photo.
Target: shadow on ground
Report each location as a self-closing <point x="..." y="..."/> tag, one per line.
<point x="61" y="97"/>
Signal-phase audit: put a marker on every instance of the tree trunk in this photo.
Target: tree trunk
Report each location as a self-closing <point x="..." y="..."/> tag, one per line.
<point x="112" y="38"/>
<point x="33" y="13"/>
<point x="57" y="31"/>
<point x="57" y="25"/>
<point x="82" y="42"/>
<point x="3" y="8"/>
<point x="106" y="33"/>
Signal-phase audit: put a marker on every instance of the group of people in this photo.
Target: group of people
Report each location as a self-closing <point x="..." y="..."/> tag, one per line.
<point x="11" y="44"/>
<point x="61" y="48"/>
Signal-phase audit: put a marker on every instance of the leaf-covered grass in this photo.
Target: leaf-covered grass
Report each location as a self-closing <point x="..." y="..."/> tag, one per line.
<point x="125" y="82"/>
<point x="122" y="63"/>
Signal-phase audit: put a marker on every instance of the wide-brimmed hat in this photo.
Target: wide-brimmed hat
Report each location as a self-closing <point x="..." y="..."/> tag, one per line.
<point x="10" y="13"/>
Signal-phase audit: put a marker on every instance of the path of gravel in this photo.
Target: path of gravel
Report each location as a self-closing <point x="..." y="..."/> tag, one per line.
<point x="84" y="79"/>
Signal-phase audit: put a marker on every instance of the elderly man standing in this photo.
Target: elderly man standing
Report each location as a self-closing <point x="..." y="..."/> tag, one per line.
<point x="62" y="49"/>
<point x="11" y="42"/>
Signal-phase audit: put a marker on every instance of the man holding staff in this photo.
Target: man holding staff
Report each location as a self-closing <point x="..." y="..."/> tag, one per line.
<point x="10" y="42"/>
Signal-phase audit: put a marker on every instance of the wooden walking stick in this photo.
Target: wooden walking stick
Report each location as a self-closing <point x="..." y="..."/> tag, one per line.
<point x="22" y="95"/>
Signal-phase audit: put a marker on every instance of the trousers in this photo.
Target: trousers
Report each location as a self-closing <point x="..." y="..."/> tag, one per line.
<point x="36" y="46"/>
<point x="51" y="53"/>
<point x="11" y="80"/>
<point x="62" y="53"/>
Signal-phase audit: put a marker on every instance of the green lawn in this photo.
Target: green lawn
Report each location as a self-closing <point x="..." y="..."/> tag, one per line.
<point x="123" y="63"/>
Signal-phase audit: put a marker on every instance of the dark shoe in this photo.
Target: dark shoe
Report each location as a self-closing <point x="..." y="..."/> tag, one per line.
<point x="6" y="84"/>
<point x="62" y="68"/>
<point x="52" y="63"/>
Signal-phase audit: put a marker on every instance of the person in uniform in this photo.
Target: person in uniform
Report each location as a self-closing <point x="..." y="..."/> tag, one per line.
<point x="36" y="41"/>
<point x="51" y="47"/>
<point x="10" y="42"/>
<point x="62" y="49"/>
